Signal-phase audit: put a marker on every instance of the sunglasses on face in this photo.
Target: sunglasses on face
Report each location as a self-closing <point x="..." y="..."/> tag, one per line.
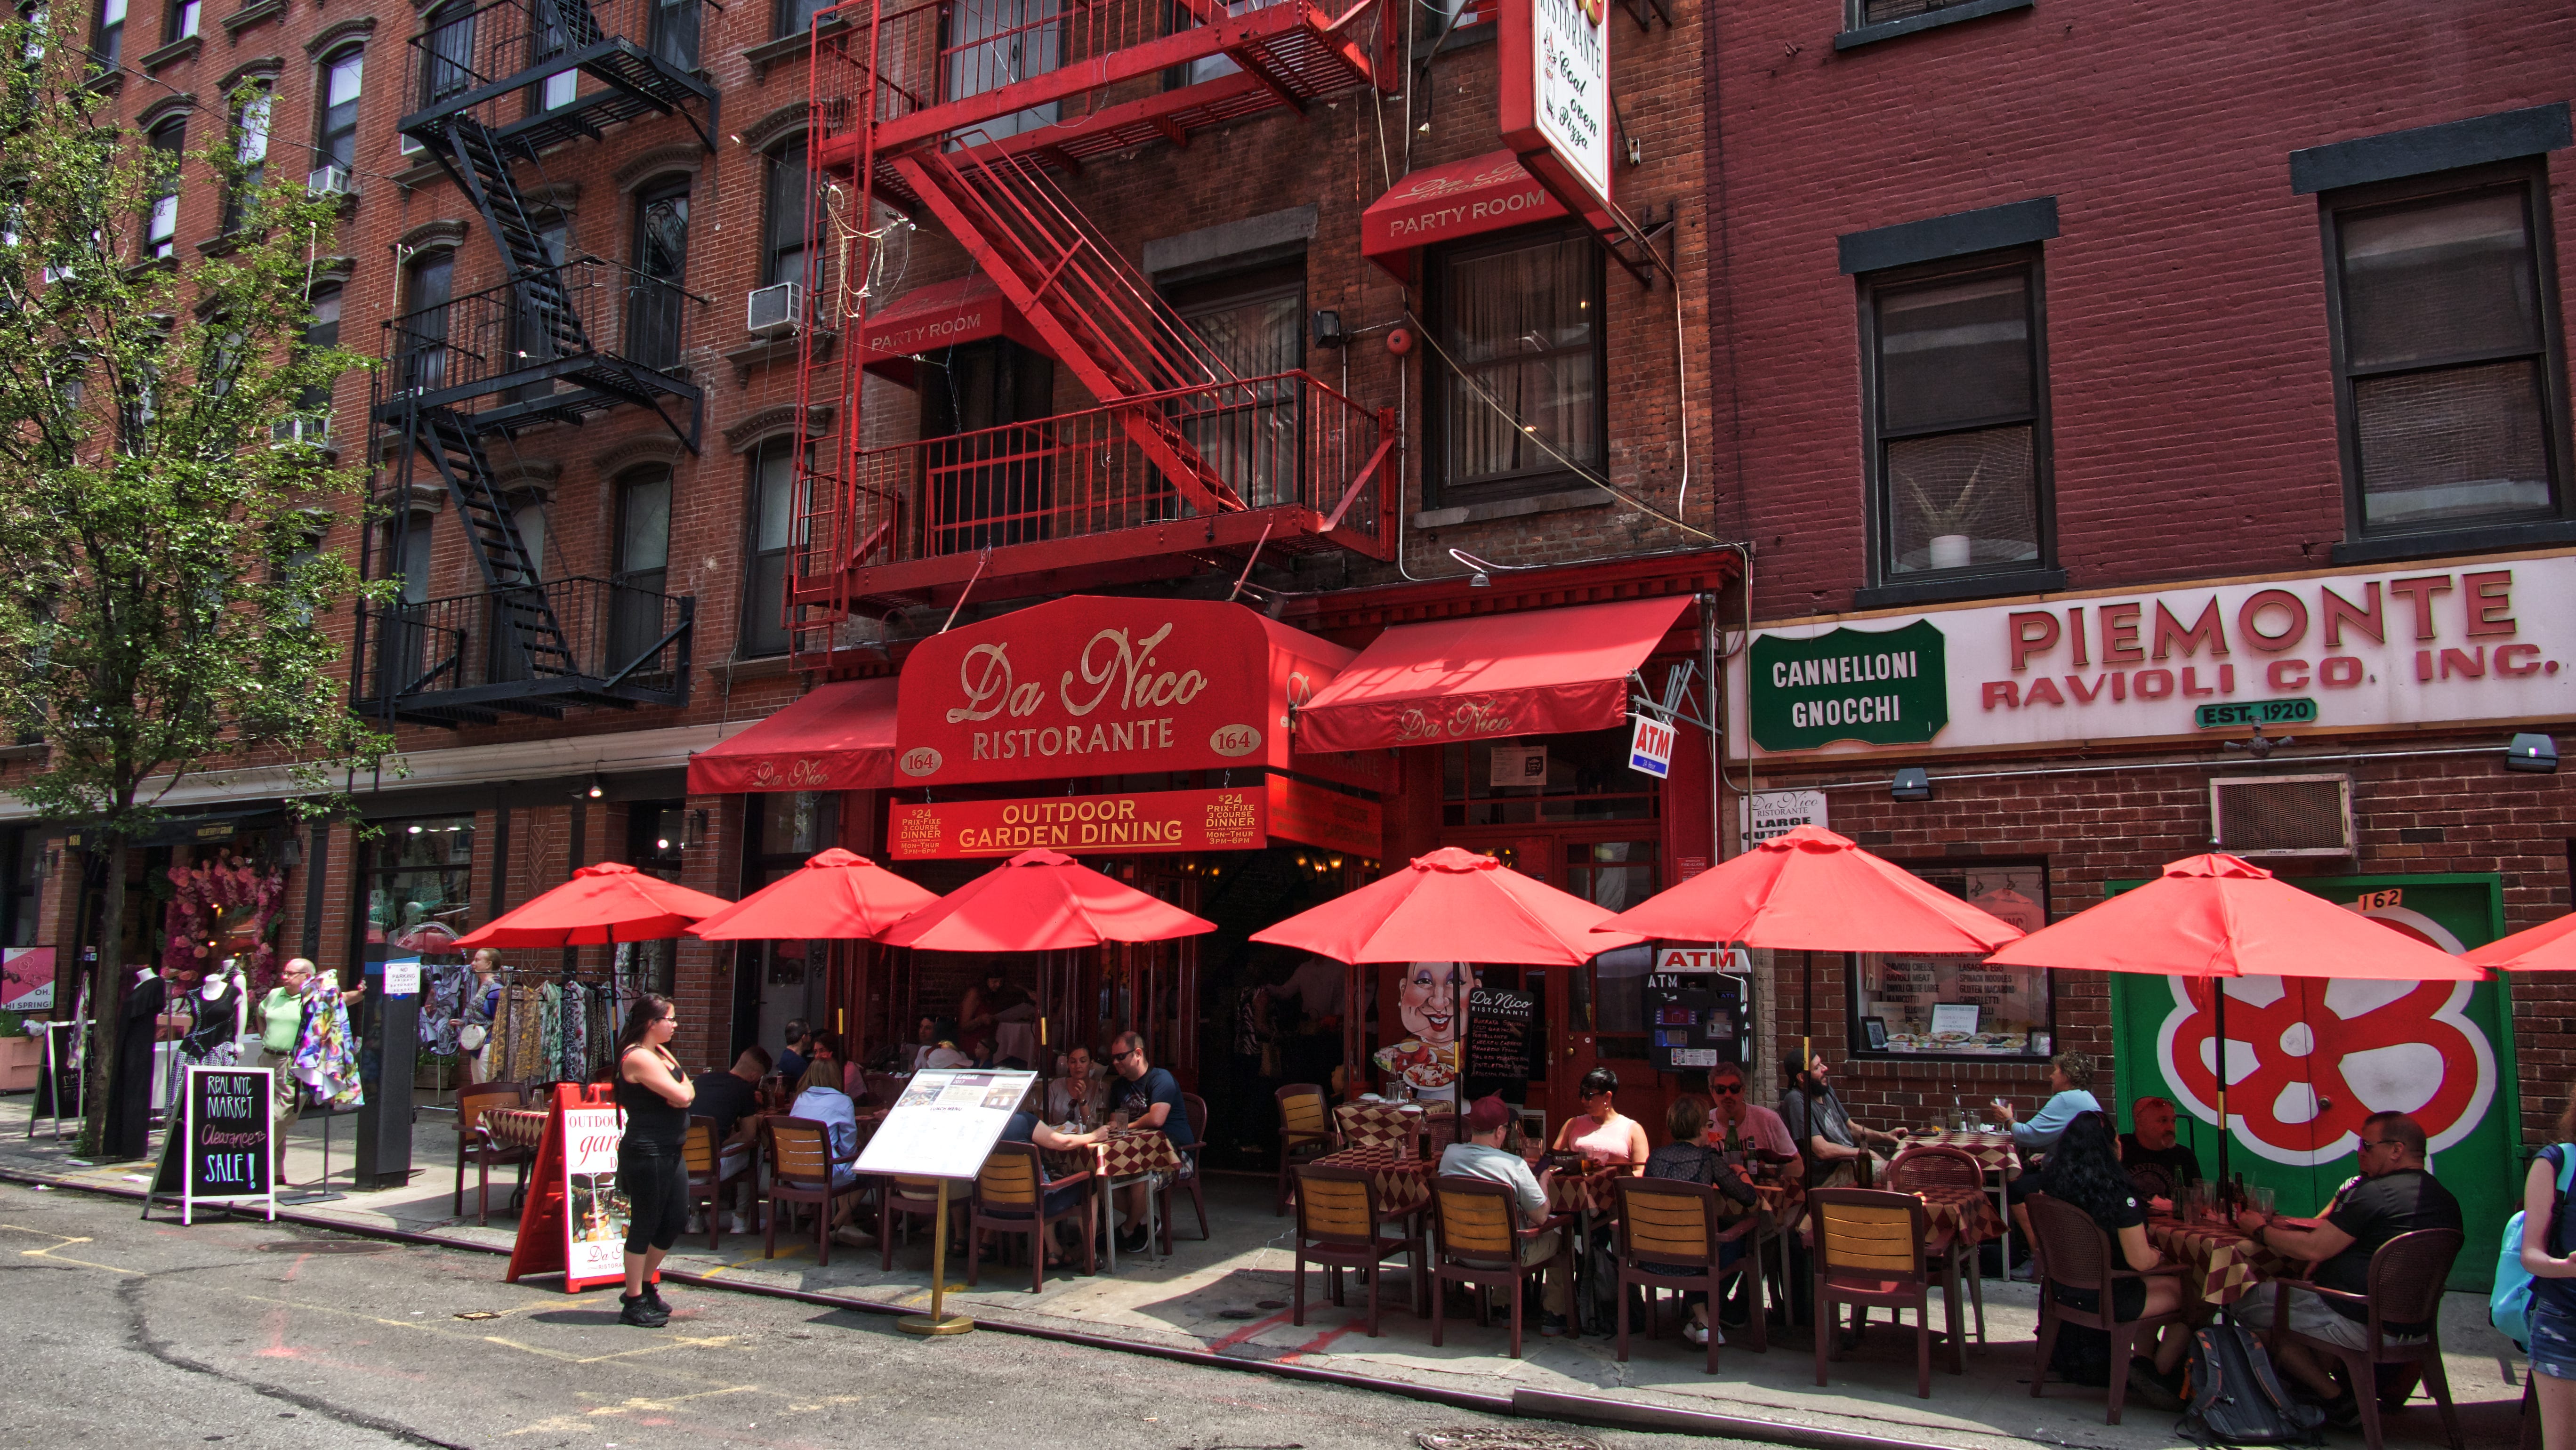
<point x="1727" y="1089"/>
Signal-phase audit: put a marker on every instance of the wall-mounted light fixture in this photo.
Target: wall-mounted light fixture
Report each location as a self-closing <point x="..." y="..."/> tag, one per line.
<point x="1913" y="783"/>
<point x="2535" y="753"/>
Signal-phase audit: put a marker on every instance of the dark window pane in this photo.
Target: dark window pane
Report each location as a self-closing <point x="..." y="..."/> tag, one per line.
<point x="2450" y="446"/>
<point x="1961" y="500"/>
<point x="1954" y="352"/>
<point x="2448" y="280"/>
<point x="1521" y="327"/>
<point x="644" y="533"/>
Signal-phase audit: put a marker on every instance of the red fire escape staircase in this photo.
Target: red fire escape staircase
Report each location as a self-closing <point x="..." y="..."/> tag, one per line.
<point x="1180" y="462"/>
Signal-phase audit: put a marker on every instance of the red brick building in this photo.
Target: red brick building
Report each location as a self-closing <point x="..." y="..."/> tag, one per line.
<point x="2047" y="334"/>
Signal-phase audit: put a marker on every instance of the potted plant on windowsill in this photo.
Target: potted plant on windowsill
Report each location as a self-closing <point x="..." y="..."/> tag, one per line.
<point x="20" y="1055"/>
<point x="1946" y="516"/>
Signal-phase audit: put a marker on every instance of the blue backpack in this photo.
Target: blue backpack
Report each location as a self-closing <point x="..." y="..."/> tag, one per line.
<point x="2509" y="1304"/>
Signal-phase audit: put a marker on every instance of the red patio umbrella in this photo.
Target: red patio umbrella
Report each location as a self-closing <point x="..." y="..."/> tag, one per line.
<point x="2221" y="916"/>
<point x="1453" y="906"/>
<point x="1041" y="901"/>
<point x="608" y="902"/>
<point x="1812" y="890"/>
<point x="836" y="895"/>
<point x="1450" y="906"/>
<point x="2548" y="947"/>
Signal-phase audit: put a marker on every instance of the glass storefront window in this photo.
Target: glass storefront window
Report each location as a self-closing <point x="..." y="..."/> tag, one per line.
<point x="1582" y="777"/>
<point x="415" y="882"/>
<point x="653" y="846"/>
<point x="1954" y="1006"/>
<point x="1611" y="990"/>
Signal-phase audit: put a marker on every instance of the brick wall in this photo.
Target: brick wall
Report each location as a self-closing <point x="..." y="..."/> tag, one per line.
<point x="2187" y="375"/>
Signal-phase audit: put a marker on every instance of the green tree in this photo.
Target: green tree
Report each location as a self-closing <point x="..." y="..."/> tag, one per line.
<point x="166" y="580"/>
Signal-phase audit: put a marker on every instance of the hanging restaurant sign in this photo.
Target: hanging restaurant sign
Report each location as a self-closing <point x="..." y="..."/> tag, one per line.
<point x="1095" y="686"/>
<point x="1555" y="72"/>
<point x="2478" y="641"/>
<point x="1128" y="823"/>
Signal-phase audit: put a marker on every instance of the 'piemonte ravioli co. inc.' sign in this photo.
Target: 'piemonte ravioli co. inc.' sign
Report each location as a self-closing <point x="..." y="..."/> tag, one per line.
<point x="1882" y="687"/>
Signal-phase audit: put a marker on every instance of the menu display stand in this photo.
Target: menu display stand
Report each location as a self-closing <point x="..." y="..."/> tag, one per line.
<point x="944" y="1127"/>
<point x="575" y="1220"/>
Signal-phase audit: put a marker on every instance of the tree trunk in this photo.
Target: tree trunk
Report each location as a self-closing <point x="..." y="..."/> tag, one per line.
<point x="104" y="1018"/>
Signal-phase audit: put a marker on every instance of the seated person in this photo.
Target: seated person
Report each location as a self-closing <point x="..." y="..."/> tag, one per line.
<point x="819" y="1098"/>
<point x="2085" y="1171"/>
<point x="2394" y="1195"/>
<point x="1826" y="1137"/>
<point x="791" y="1059"/>
<point x="2070" y="1086"/>
<point x="1731" y="1107"/>
<point x="944" y="1052"/>
<point x="926" y="1042"/>
<point x="1690" y="1159"/>
<point x="2157" y="1163"/>
<point x="1026" y="1127"/>
<point x="1604" y="1137"/>
<point x="1483" y="1156"/>
<point x="1078" y="1096"/>
<point x="732" y="1099"/>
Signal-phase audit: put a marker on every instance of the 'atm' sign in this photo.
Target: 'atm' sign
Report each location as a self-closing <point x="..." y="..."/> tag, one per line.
<point x="1650" y="748"/>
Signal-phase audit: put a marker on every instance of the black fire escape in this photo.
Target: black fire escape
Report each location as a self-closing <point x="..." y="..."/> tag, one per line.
<point x="559" y="339"/>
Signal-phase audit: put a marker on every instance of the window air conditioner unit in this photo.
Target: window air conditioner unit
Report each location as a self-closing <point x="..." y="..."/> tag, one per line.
<point x="2281" y="815"/>
<point x="776" y="309"/>
<point x="330" y="181"/>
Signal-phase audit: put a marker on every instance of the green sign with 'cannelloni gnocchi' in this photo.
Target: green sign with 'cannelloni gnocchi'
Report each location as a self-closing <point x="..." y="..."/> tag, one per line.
<point x="1878" y="687"/>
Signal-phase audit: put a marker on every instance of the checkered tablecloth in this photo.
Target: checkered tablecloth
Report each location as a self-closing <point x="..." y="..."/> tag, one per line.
<point x="2221" y="1263"/>
<point x="1366" y="1125"/>
<point x="516" y="1127"/>
<point x="1403" y="1184"/>
<point x="1571" y="1192"/>
<point x="1131" y="1151"/>
<point x="1961" y="1212"/>
<point x="1993" y="1151"/>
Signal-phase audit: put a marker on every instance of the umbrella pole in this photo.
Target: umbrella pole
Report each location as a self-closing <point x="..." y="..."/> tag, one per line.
<point x="2219" y="984"/>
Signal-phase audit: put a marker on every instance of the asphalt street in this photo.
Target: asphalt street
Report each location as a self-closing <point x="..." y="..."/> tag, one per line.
<point x="131" y="1333"/>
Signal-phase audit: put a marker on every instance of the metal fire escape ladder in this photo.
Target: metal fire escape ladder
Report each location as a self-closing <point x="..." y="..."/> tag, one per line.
<point x="500" y="551"/>
<point x="474" y="159"/>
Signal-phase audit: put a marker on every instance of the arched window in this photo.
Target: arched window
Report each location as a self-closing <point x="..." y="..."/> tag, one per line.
<point x="161" y="226"/>
<point x="250" y="156"/>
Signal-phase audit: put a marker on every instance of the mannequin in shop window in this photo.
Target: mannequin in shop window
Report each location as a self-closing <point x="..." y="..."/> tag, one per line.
<point x="129" y="1096"/>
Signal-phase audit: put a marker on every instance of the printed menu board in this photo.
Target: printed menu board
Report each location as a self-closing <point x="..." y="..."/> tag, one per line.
<point x="945" y="1123"/>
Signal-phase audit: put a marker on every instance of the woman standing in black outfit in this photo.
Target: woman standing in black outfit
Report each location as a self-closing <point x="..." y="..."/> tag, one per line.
<point x="654" y="1096"/>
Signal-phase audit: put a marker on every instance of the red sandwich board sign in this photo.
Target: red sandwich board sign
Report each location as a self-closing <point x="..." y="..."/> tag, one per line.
<point x="575" y="1220"/>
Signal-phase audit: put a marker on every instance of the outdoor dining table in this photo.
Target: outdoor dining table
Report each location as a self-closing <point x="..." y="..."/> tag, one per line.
<point x="517" y="1127"/>
<point x="1996" y="1154"/>
<point x="1364" y="1124"/>
<point x="1124" y="1156"/>
<point x="1403" y="1184"/>
<point x="2221" y="1265"/>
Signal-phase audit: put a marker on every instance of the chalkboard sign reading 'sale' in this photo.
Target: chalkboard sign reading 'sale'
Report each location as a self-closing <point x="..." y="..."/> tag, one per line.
<point x="222" y="1148"/>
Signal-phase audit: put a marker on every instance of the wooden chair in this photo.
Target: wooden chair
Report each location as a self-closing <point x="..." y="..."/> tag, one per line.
<point x="1196" y="1108"/>
<point x="882" y="1088"/>
<point x="1339" y="1227"/>
<point x="2405" y="1287"/>
<point x="1010" y="1198"/>
<point x="1664" y="1221"/>
<point x="1929" y="1165"/>
<point x="800" y="1171"/>
<point x="1305" y="1132"/>
<point x="704" y="1157"/>
<point x="2075" y="1253"/>
<point x="1481" y="1237"/>
<point x="1869" y="1253"/>
<point x="475" y="1144"/>
<point x="901" y="1198"/>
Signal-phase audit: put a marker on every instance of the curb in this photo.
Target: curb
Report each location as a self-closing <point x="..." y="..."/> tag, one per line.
<point x="1519" y="1404"/>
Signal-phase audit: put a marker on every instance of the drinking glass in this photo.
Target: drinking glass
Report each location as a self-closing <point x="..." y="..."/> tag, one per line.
<point x="2261" y="1199"/>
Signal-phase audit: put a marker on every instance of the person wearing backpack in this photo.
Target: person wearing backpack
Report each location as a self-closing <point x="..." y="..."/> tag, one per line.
<point x="2545" y="1228"/>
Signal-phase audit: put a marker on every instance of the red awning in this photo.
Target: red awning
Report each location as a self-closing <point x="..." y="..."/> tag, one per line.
<point x="1543" y="673"/>
<point x="840" y="736"/>
<point x="932" y="317"/>
<point x="1441" y="203"/>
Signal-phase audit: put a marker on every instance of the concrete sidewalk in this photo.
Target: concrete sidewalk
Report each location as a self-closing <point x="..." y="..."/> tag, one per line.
<point x="1228" y="1295"/>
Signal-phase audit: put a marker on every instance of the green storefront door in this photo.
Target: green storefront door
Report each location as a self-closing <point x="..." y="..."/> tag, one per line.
<point x="2308" y="1059"/>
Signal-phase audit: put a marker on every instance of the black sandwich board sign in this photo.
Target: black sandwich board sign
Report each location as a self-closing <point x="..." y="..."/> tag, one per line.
<point x="222" y="1148"/>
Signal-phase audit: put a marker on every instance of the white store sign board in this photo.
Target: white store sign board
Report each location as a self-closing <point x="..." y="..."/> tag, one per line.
<point x="1734" y="961"/>
<point x="2485" y="641"/>
<point x="945" y="1123"/>
<point x="1768" y="813"/>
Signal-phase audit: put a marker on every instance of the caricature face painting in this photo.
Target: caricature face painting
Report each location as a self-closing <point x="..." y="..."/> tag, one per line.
<point x="1427" y="1004"/>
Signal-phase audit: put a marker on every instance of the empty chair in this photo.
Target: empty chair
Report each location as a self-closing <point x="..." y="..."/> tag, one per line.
<point x="801" y="1170"/>
<point x="1305" y="1132"/>
<point x="1338" y="1227"/>
<point x="1197" y="1110"/>
<point x="1869" y="1254"/>
<point x="476" y="1146"/>
<point x="1929" y="1165"/>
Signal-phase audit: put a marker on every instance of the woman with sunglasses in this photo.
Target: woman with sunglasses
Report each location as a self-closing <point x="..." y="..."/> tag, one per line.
<point x="1600" y="1133"/>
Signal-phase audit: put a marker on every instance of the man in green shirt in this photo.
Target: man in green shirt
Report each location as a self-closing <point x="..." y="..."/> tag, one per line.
<point x="281" y="1022"/>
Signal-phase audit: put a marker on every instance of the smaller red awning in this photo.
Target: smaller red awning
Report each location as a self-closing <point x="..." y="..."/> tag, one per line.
<point x="1442" y="203"/>
<point x="1544" y="673"/>
<point x="936" y="315"/>
<point x="840" y="736"/>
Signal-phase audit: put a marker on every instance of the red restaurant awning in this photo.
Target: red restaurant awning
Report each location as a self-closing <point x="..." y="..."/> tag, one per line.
<point x="1441" y="203"/>
<point x="1542" y="673"/>
<point x="933" y="316"/>
<point x="840" y="736"/>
